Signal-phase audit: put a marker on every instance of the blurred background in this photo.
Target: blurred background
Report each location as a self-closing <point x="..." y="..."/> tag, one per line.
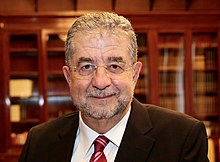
<point x="179" y="46"/>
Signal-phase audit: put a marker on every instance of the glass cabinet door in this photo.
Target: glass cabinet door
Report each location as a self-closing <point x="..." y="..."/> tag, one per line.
<point x="205" y="79"/>
<point x="171" y="71"/>
<point x="24" y="108"/>
<point x="141" y="90"/>
<point x="58" y="98"/>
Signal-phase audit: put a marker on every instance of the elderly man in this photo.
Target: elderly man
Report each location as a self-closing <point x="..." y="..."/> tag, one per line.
<point x="101" y="71"/>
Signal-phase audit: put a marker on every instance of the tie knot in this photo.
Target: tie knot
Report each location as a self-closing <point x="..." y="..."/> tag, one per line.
<point x="100" y="143"/>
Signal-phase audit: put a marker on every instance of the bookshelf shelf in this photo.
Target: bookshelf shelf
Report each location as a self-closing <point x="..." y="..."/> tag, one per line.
<point x="205" y="78"/>
<point x="26" y="122"/>
<point x="206" y="115"/>
<point x="170" y="69"/>
<point x="24" y="125"/>
<point x="56" y="49"/>
<point x="172" y="46"/>
<point x="23" y="50"/>
<point x="24" y="74"/>
<point x="18" y="99"/>
<point x="209" y="69"/>
<point x="169" y="92"/>
<point x="141" y="91"/>
<point x="55" y="73"/>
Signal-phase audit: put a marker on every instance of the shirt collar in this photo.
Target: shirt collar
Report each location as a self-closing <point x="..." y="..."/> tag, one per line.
<point x="116" y="133"/>
<point x="87" y="135"/>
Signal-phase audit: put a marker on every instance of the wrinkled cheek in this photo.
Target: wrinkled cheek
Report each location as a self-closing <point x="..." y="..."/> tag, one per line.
<point x="76" y="93"/>
<point x="127" y="92"/>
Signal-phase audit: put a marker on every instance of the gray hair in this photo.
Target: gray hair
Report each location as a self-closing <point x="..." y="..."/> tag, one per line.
<point x="100" y="20"/>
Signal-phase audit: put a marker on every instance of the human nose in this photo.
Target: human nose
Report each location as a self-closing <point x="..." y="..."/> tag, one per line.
<point x="101" y="79"/>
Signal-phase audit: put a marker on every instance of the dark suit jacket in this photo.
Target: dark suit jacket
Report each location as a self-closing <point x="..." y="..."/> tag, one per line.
<point x="152" y="134"/>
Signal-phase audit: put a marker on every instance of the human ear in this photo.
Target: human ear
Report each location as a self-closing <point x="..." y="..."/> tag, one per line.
<point x="137" y="69"/>
<point x="67" y="74"/>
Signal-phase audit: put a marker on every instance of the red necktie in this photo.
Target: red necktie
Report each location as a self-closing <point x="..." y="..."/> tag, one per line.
<point x="98" y="155"/>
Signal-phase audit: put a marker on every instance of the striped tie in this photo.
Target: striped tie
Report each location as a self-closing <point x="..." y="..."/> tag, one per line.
<point x="98" y="155"/>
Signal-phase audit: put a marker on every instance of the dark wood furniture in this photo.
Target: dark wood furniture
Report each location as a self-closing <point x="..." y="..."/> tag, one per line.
<point x="179" y="50"/>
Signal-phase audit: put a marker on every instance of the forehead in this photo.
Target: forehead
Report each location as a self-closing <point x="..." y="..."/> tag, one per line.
<point x="101" y="44"/>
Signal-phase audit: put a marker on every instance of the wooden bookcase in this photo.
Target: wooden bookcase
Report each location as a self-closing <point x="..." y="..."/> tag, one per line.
<point x="181" y="70"/>
<point x="24" y="83"/>
<point x="141" y="90"/>
<point x="58" y="101"/>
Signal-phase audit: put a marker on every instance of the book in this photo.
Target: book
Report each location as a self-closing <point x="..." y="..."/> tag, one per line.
<point x="15" y="113"/>
<point x="21" y="88"/>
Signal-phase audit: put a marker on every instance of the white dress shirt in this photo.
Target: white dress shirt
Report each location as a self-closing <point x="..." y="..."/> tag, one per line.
<point x="84" y="148"/>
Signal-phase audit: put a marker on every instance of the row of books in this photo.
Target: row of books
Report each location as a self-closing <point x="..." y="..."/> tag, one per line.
<point x="23" y="112"/>
<point x="211" y="150"/>
<point x="171" y="82"/>
<point x="202" y="104"/>
<point x="19" y="113"/>
<point x="173" y="102"/>
<point x="205" y="104"/>
<point x="205" y="59"/>
<point x="170" y="41"/>
<point x="21" y="88"/>
<point x="212" y="128"/>
<point x="144" y="60"/>
<point x="207" y="42"/>
<point x="142" y="39"/>
<point x="205" y="81"/>
<point x="141" y="86"/>
<point x="211" y="57"/>
<point x="18" y="138"/>
<point x="171" y="58"/>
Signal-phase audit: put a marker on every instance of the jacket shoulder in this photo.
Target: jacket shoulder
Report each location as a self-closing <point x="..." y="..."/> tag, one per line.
<point x="57" y="125"/>
<point x="165" y="114"/>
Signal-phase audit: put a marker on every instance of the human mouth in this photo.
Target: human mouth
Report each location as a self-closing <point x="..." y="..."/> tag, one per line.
<point x="102" y="95"/>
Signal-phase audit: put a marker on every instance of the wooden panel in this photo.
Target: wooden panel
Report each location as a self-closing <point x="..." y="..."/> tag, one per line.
<point x="55" y="5"/>
<point x="153" y="67"/>
<point x="2" y="108"/>
<point x="58" y="106"/>
<point x="51" y="54"/>
<point x="57" y="86"/>
<point x="32" y="6"/>
<point x="169" y="5"/>
<point x="17" y="5"/>
<point x="131" y="5"/>
<point x="205" y="5"/>
<point x="94" y="5"/>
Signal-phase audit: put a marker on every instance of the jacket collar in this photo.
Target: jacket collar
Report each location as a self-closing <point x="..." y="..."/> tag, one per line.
<point x="64" y="140"/>
<point x="136" y="144"/>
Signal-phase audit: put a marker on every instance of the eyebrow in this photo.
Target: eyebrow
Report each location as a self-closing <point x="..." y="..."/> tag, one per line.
<point x="110" y="59"/>
<point x="85" y="59"/>
<point x="115" y="59"/>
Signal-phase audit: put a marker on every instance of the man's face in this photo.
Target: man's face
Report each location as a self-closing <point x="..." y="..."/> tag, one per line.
<point x="102" y="95"/>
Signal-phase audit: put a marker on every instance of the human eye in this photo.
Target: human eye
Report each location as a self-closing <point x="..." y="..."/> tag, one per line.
<point x="86" y="68"/>
<point x="115" y="68"/>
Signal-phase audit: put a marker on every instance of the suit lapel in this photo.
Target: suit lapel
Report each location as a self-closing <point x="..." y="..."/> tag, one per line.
<point x="64" y="140"/>
<point x="136" y="144"/>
